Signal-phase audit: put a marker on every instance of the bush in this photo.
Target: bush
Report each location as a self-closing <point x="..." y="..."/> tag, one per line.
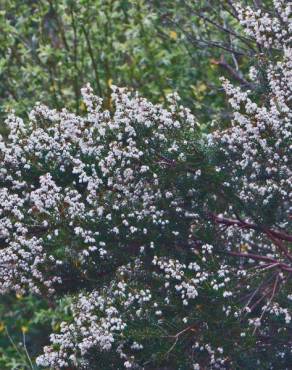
<point x="163" y="247"/>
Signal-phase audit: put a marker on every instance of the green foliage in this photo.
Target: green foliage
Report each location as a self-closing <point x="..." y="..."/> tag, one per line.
<point x="25" y="323"/>
<point x="49" y="49"/>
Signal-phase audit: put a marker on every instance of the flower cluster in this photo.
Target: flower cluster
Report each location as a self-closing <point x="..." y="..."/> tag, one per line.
<point x="85" y="186"/>
<point x="268" y="31"/>
<point x="100" y="320"/>
<point x="108" y="320"/>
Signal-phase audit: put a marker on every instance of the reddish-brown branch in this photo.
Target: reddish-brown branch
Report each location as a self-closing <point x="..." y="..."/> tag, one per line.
<point x="280" y="245"/>
<point x="248" y="225"/>
<point x="222" y="63"/>
<point x="259" y="300"/>
<point x="258" y="257"/>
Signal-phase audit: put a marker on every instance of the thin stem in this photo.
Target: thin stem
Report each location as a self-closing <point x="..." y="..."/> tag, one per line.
<point x="93" y="60"/>
<point x="26" y="351"/>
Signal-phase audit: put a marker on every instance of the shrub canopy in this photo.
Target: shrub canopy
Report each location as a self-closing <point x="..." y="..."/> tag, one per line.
<point x="162" y="246"/>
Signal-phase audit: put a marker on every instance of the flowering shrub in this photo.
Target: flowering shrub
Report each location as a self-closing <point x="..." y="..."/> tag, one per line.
<point x="125" y="316"/>
<point x="173" y="245"/>
<point x="78" y="191"/>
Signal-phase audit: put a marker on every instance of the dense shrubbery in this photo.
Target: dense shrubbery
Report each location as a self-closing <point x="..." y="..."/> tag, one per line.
<point x="145" y="242"/>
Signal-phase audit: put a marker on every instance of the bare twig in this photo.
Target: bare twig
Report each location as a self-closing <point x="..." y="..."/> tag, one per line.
<point x="248" y="225"/>
<point x="93" y="60"/>
<point x="176" y="337"/>
<point x="26" y="351"/>
<point x="258" y="257"/>
<point x="222" y="63"/>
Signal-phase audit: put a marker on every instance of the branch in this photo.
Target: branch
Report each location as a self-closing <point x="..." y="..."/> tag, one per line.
<point x="248" y="225"/>
<point x="93" y="60"/>
<point x="258" y="257"/>
<point x="222" y="63"/>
